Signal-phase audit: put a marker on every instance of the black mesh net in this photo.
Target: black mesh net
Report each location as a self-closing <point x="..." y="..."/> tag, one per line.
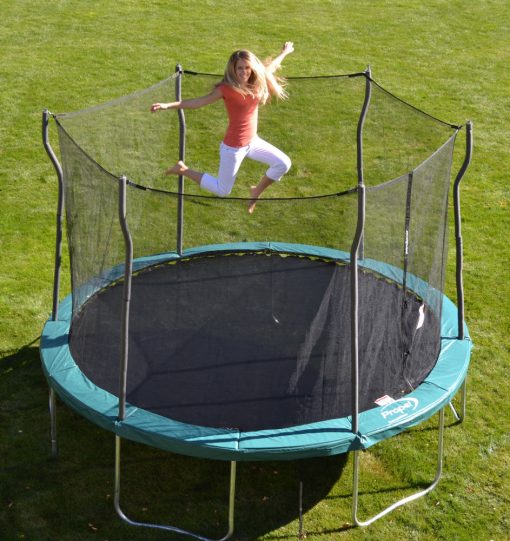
<point x="273" y="328"/>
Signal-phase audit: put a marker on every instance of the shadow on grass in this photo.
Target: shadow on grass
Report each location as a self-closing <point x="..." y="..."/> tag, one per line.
<point x="72" y="497"/>
<point x="18" y="359"/>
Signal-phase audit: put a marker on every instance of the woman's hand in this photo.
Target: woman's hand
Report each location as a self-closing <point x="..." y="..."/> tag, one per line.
<point x="161" y="107"/>
<point x="194" y="103"/>
<point x="288" y="47"/>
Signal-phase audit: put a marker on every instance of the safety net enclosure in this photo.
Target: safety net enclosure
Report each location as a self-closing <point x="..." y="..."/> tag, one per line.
<point x="315" y="326"/>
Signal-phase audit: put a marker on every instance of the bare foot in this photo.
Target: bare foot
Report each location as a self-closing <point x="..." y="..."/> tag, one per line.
<point x="178" y="169"/>
<point x="252" y="202"/>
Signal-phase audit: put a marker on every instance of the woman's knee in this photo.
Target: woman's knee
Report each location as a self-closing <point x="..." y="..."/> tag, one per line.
<point x="280" y="168"/>
<point x="218" y="186"/>
<point x="223" y="191"/>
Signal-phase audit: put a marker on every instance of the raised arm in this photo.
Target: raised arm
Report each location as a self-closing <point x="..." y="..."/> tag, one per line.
<point x="193" y="103"/>
<point x="287" y="48"/>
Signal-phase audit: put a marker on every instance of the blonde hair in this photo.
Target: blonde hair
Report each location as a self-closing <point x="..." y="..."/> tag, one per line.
<point x="262" y="82"/>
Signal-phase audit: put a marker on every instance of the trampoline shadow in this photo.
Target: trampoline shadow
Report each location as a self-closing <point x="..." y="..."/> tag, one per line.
<point x="268" y="493"/>
<point x="19" y="358"/>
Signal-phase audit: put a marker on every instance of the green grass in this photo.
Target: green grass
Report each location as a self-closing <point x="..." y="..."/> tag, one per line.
<point x="447" y="58"/>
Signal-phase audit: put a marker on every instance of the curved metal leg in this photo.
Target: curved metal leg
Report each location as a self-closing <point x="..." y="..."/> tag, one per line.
<point x="301" y="533"/>
<point x="403" y="501"/>
<point x="464" y="400"/>
<point x="173" y="528"/>
<point x="53" y="422"/>
<point x="462" y="415"/>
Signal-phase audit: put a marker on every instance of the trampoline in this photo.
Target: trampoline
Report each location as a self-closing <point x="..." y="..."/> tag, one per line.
<point x="256" y="341"/>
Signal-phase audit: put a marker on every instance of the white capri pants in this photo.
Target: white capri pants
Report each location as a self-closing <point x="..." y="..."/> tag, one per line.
<point x="232" y="157"/>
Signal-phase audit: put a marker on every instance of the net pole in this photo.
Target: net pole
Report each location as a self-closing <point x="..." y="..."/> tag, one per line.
<point x="60" y="213"/>
<point x="407" y="231"/>
<point x="355" y="250"/>
<point x="126" y="297"/>
<point x="359" y="138"/>
<point x="58" y="264"/>
<point x="460" y="257"/>
<point x="182" y="155"/>
<point x="405" y="343"/>
<point x="458" y="228"/>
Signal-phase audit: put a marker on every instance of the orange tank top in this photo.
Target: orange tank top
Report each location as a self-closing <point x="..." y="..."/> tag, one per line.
<point x="242" y="114"/>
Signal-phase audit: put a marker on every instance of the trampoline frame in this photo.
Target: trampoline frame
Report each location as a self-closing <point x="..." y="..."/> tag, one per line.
<point x="356" y="254"/>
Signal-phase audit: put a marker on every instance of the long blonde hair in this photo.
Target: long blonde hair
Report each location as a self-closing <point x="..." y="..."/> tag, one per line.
<point x="262" y="82"/>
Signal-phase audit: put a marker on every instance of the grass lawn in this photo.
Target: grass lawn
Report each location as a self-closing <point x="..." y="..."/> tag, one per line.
<point x="449" y="58"/>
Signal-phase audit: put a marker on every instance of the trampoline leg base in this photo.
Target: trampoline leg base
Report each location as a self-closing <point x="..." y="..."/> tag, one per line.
<point x="166" y="527"/>
<point x="403" y="501"/>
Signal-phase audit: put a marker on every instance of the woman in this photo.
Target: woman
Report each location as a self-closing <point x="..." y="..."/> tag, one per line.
<point x="246" y="84"/>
